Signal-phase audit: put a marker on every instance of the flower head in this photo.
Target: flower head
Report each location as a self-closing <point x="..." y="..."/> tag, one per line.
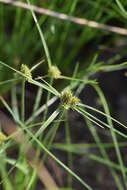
<point x="26" y="71"/>
<point x="68" y="100"/>
<point x="54" y="72"/>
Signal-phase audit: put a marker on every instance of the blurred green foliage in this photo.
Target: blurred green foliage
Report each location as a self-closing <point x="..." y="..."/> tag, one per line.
<point x="67" y="42"/>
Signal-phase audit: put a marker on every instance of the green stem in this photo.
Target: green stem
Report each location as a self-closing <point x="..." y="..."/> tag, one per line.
<point x="68" y="141"/>
<point x="47" y="99"/>
<point x="113" y="134"/>
<point x="41" y="35"/>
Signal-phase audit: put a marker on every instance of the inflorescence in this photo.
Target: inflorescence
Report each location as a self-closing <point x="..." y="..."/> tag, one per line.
<point x="26" y="71"/>
<point x="68" y="100"/>
<point x="54" y="72"/>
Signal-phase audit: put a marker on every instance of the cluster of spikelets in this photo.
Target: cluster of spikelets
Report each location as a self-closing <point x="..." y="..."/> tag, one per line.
<point x="54" y="72"/>
<point x="26" y="71"/>
<point x="68" y="100"/>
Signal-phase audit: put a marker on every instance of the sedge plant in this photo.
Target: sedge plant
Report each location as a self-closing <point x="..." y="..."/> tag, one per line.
<point x="42" y="134"/>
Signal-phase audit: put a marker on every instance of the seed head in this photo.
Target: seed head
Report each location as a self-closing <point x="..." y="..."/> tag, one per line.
<point x="75" y="101"/>
<point x="68" y="100"/>
<point x="54" y="72"/>
<point x="26" y="71"/>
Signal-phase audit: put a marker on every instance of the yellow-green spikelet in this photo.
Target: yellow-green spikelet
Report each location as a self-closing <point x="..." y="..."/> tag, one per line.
<point x="68" y="100"/>
<point x="54" y="72"/>
<point x="26" y="71"/>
